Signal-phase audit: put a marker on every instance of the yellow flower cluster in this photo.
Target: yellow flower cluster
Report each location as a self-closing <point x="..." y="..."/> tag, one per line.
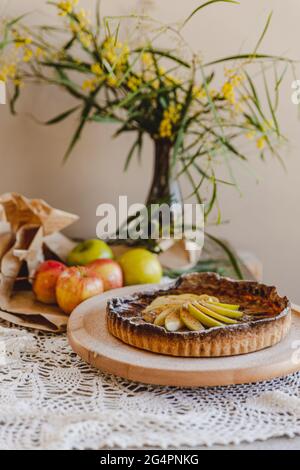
<point x="147" y="59"/>
<point x="134" y="82"/>
<point x="83" y="18"/>
<point x="234" y="76"/>
<point x="250" y="135"/>
<point x="79" y="23"/>
<point x="21" y="42"/>
<point x="91" y="84"/>
<point x="24" y="51"/>
<point x="234" y="80"/>
<point x="97" y="69"/>
<point x="266" y="126"/>
<point x="228" y="92"/>
<point x="85" y="39"/>
<point x="7" y="71"/>
<point x="28" y="54"/>
<point x="66" y="7"/>
<point x="112" y="81"/>
<point x="170" y="117"/>
<point x="170" y="80"/>
<point x="115" y="52"/>
<point x="156" y="76"/>
<point x="261" y="142"/>
<point x="199" y="92"/>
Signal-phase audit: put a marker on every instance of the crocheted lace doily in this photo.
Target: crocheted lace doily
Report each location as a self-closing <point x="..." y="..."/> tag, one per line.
<point x="50" y="399"/>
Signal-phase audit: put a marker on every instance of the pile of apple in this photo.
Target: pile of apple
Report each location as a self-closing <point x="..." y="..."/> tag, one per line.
<point x="90" y="271"/>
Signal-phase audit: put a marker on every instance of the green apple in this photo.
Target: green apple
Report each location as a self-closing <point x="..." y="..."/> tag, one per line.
<point x="140" y="266"/>
<point x="88" y="251"/>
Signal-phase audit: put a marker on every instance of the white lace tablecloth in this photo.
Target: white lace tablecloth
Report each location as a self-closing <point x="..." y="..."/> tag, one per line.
<point x="50" y="399"/>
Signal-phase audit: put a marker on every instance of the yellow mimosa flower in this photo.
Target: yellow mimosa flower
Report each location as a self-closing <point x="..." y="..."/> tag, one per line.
<point x="213" y="93"/>
<point x="199" y="92"/>
<point x="74" y="27"/>
<point x="8" y="71"/>
<point x="261" y="142"/>
<point x="96" y="69"/>
<point x="89" y="85"/>
<point x="165" y="128"/>
<point x="112" y="81"/>
<point x="12" y="70"/>
<point x="126" y="49"/>
<point x="235" y="76"/>
<point x="237" y="79"/>
<point x="27" y="55"/>
<point x="20" y="41"/>
<point x="250" y="135"/>
<point x="173" y="113"/>
<point x="116" y="53"/>
<point x="83" y="18"/>
<point x="169" y="79"/>
<point x="66" y="7"/>
<point x="134" y="83"/>
<point x="85" y="39"/>
<point x="3" y="74"/>
<point x="228" y="72"/>
<point x="147" y="58"/>
<point x="171" y="116"/>
<point x="228" y="92"/>
<point x="111" y="57"/>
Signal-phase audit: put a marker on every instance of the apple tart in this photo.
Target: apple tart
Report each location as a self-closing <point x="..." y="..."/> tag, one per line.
<point x="201" y="315"/>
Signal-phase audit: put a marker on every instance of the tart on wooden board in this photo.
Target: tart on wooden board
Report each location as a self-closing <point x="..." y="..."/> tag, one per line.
<point x="201" y="315"/>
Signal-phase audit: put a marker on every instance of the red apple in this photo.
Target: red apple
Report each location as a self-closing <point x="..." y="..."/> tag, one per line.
<point x="75" y="285"/>
<point x="110" y="272"/>
<point x="44" y="284"/>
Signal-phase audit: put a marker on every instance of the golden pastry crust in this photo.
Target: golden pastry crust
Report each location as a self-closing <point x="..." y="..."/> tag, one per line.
<point x="124" y="319"/>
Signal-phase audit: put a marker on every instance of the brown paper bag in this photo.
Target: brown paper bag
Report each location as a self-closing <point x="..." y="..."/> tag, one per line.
<point x="29" y="233"/>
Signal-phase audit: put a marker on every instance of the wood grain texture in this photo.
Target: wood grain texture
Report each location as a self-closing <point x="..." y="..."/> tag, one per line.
<point x="89" y="338"/>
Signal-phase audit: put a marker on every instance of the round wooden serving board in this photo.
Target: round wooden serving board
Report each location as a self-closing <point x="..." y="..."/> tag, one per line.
<point x="90" y="339"/>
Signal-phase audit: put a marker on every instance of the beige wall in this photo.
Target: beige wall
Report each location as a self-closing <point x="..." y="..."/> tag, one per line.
<point x="264" y="220"/>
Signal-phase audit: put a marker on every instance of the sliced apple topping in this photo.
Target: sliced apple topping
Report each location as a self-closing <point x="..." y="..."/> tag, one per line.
<point x="219" y="304"/>
<point x="161" y="317"/>
<point x="166" y="300"/>
<point x="226" y="312"/>
<point x="189" y="320"/>
<point x="173" y="321"/>
<point x="213" y="314"/>
<point x="192" y="312"/>
<point x="206" y="320"/>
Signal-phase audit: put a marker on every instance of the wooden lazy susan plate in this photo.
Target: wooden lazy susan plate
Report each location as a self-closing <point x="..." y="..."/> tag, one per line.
<point x="90" y="339"/>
